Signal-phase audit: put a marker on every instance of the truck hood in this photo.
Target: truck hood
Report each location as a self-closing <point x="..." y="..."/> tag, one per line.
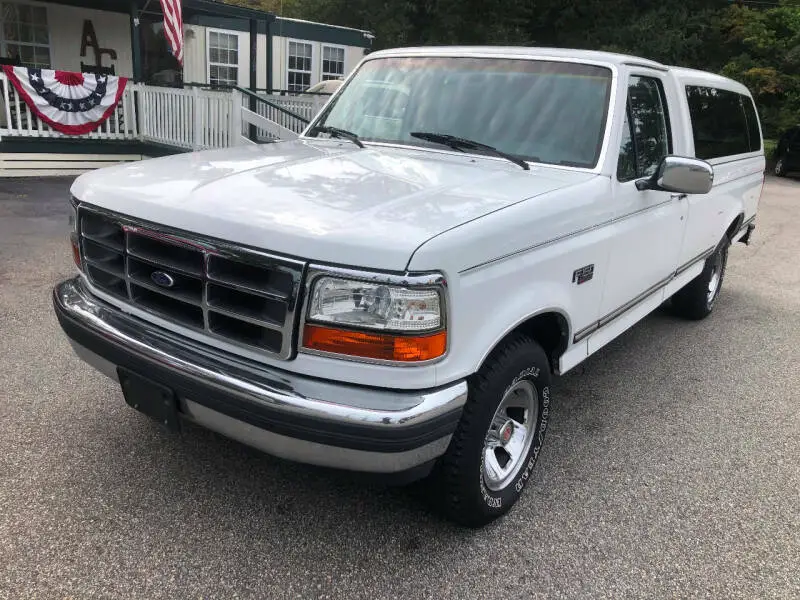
<point x="322" y="200"/>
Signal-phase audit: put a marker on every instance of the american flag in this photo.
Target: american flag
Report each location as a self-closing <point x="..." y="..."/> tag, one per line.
<point x="173" y="26"/>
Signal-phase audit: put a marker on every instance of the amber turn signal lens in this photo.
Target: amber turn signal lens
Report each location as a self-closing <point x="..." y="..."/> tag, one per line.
<point x="381" y="346"/>
<point x="76" y="253"/>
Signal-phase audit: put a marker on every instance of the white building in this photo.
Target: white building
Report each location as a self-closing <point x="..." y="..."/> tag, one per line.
<point x="301" y="53"/>
<point x="125" y="37"/>
<point x="66" y="34"/>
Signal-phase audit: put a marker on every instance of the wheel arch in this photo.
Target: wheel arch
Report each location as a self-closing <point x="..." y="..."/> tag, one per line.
<point x="550" y="328"/>
<point x="734" y="227"/>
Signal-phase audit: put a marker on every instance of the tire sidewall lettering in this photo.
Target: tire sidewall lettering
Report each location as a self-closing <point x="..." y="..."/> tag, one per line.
<point x="537" y="444"/>
<point x="494" y="500"/>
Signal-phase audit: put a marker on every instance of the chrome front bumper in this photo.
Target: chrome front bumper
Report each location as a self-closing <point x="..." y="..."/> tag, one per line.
<point x="287" y="415"/>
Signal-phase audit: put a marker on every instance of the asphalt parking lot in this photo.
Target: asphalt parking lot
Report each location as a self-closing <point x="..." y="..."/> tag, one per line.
<point x="670" y="469"/>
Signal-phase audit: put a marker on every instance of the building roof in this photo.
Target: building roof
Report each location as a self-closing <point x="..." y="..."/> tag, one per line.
<point x="191" y="8"/>
<point x="287" y="19"/>
<point x="290" y="28"/>
<point x="215" y="13"/>
<point x="223" y="9"/>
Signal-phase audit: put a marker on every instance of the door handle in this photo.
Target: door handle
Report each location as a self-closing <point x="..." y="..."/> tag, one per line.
<point x="677" y="196"/>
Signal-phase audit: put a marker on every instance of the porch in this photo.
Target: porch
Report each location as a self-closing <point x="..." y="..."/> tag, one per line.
<point x="148" y="121"/>
<point x="117" y="37"/>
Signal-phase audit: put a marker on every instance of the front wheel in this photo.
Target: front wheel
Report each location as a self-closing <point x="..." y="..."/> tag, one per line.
<point x="696" y="299"/>
<point x="495" y="447"/>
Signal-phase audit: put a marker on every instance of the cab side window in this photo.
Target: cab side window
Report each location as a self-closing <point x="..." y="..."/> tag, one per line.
<point x="645" y="138"/>
<point x="724" y="123"/>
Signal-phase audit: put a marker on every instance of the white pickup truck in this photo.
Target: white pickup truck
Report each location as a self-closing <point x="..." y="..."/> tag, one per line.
<point x="392" y="292"/>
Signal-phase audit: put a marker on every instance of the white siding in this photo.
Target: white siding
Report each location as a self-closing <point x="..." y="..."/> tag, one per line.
<point x="66" y="29"/>
<point x="352" y="57"/>
<point x="196" y="57"/>
<point x="261" y="76"/>
<point x="280" y="57"/>
<point x="195" y="67"/>
<point x="113" y="31"/>
<point x="194" y="54"/>
<point x="244" y="59"/>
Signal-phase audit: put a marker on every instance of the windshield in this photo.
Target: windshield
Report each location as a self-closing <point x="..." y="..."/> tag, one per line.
<point x="542" y="111"/>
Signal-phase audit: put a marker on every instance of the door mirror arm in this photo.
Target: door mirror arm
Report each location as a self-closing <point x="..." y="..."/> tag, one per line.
<point x="646" y="183"/>
<point x="680" y="175"/>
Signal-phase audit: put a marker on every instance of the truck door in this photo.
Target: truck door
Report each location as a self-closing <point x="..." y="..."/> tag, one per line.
<point x="648" y="225"/>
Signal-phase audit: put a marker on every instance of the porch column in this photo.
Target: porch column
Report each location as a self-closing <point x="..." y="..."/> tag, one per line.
<point x="252" y="133"/>
<point x="136" y="46"/>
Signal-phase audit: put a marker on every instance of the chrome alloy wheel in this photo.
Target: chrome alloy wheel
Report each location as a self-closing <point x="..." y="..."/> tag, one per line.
<point x="713" y="284"/>
<point x="510" y="435"/>
<point x="714" y="279"/>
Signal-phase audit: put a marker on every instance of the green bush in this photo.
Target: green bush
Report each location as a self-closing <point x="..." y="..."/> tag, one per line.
<point x="769" y="148"/>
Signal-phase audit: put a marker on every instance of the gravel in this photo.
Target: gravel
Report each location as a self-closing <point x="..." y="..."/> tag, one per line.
<point x="670" y="470"/>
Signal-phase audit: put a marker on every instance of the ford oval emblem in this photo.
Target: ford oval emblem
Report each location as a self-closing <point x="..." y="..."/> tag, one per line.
<point x="162" y="279"/>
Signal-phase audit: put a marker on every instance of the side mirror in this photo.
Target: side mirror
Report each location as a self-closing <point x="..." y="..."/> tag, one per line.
<point x="680" y="174"/>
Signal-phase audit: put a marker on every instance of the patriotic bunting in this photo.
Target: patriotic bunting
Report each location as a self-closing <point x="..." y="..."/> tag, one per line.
<point x="72" y="103"/>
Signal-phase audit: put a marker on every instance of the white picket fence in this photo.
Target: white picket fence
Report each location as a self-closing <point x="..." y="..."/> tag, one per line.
<point x="193" y="118"/>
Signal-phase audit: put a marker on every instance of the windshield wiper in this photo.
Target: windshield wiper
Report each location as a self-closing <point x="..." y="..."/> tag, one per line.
<point x="339" y="133"/>
<point x="458" y="143"/>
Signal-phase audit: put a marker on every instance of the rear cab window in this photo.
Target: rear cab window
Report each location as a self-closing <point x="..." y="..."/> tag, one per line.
<point x="724" y="123"/>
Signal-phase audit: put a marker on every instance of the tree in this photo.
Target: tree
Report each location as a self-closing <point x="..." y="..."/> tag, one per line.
<point x="757" y="46"/>
<point x="765" y="50"/>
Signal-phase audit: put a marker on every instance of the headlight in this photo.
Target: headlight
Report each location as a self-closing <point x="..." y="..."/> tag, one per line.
<point x="379" y="317"/>
<point x="374" y="306"/>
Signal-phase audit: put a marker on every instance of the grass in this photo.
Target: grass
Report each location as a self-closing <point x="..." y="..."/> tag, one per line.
<point x="769" y="148"/>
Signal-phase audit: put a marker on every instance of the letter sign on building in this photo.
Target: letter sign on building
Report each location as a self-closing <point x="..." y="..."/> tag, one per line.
<point x="89" y="39"/>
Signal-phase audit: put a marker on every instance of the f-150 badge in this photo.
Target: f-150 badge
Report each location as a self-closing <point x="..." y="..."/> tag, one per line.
<point x="583" y="274"/>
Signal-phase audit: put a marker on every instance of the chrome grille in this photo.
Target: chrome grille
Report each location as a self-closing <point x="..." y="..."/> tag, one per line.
<point x="231" y="293"/>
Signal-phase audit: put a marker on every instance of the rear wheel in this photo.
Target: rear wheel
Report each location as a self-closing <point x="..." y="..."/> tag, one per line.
<point x="495" y="447"/>
<point x="696" y="300"/>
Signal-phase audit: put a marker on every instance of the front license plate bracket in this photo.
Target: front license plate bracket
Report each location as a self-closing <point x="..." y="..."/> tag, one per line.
<point x="153" y="399"/>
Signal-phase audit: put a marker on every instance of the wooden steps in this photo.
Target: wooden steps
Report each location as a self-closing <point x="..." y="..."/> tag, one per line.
<point x="40" y="164"/>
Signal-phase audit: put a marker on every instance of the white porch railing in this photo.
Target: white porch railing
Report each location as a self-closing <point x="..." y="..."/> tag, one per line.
<point x="17" y="120"/>
<point x="273" y="122"/>
<point x="304" y="106"/>
<point x="192" y="119"/>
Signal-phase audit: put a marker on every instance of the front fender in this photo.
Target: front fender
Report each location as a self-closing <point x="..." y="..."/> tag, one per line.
<point x="548" y="298"/>
<point x="490" y="304"/>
